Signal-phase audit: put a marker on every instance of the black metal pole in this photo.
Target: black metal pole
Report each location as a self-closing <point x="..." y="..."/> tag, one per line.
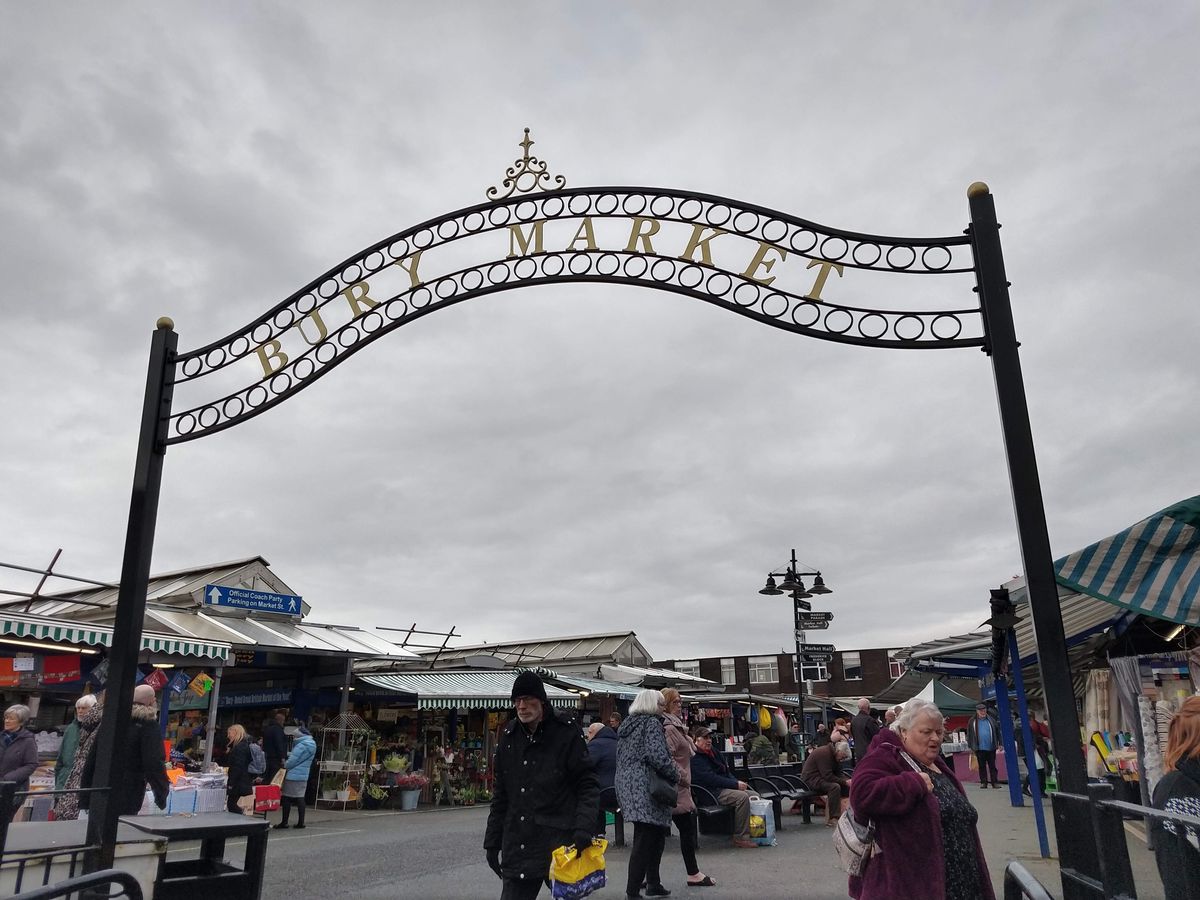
<point x="1001" y="346"/>
<point x="799" y="648"/>
<point x="131" y="598"/>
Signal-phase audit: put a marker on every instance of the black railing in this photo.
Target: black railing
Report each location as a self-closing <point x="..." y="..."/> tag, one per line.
<point x="1019" y="884"/>
<point x="36" y="866"/>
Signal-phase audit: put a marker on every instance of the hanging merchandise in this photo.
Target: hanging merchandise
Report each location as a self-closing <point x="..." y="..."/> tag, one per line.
<point x="201" y="684"/>
<point x="156" y="679"/>
<point x="8" y="677"/>
<point x="779" y="724"/>
<point x="764" y="718"/>
<point x="60" y="669"/>
<point x="179" y="682"/>
<point x="752" y="714"/>
<point x="99" y="674"/>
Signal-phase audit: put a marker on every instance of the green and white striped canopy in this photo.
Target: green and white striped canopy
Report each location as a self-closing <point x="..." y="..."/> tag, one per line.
<point x="1152" y="567"/>
<point x="39" y="628"/>
<point x="463" y="690"/>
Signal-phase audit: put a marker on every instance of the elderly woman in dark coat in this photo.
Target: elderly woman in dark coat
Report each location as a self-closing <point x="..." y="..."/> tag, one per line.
<point x="18" y="748"/>
<point x="142" y="759"/>
<point x="925" y="834"/>
<point x="642" y="747"/>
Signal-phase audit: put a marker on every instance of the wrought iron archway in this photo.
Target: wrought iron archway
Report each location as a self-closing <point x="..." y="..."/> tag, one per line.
<point x="391" y="283"/>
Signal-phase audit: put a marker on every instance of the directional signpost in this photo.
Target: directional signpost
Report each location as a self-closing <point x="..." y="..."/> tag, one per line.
<point x="813" y="620"/>
<point x="252" y="601"/>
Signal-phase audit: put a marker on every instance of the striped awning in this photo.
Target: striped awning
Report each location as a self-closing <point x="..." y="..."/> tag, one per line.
<point x="41" y="628"/>
<point x="462" y="690"/>
<point x="1152" y="567"/>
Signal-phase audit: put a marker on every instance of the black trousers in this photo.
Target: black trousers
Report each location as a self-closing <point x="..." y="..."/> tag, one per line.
<point x="286" y="804"/>
<point x="521" y="888"/>
<point x="987" y="758"/>
<point x="686" y="823"/>
<point x="645" y="857"/>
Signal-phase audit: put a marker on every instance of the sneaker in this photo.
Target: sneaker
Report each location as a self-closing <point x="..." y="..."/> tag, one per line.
<point x="743" y="844"/>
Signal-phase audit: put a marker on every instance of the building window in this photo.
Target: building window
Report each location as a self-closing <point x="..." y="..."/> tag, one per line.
<point x="895" y="666"/>
<point x="764" y="670"/>
<point x="728" y="672"/>
<point x="814" y="672"/>
<point x="851" y="666"/>
<point x="688" y="666"/>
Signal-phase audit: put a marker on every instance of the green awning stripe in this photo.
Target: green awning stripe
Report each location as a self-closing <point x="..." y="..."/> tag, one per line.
<point x="68" y="635"/>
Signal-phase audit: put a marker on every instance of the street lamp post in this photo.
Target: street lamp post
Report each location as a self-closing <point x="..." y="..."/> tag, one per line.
<point x="793" y="584"/>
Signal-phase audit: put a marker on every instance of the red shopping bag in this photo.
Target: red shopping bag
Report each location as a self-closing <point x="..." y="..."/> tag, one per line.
<point x="266" y="798"/>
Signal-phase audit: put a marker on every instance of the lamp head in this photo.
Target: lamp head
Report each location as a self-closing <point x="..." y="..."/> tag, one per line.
<point x="819" y="586"/>
<point x="770" y="588"/>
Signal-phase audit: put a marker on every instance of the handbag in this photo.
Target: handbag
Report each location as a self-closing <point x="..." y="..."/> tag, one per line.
<point x="662" y="791"/>
<point x="854" y="841"/>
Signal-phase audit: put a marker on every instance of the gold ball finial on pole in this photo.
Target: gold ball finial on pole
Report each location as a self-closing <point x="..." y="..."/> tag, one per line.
<point x="978" y="189"/>
<point x="165" y="324"/>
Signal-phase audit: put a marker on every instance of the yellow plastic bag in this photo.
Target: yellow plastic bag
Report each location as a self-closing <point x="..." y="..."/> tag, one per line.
<point x="574" y="875"/>
<point x="764" y="719"/>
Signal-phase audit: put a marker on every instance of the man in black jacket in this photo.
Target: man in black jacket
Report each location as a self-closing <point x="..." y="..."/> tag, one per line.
<point x="274" y="746"/>
<point x="863" y="728"/>
<point x="545" y="792"/>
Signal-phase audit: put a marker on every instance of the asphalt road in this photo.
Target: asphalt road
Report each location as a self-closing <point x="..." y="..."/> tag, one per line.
<point x="438" y="855"/>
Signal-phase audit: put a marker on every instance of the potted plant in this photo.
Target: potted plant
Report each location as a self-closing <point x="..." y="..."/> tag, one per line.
<point x="410" y="786"/>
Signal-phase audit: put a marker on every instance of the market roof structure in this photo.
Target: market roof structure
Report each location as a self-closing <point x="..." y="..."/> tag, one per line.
<point x="175" y="604"/>
<point x="580" y="653"/>
<point x="461" y="690"/>
<point x="651" y="677"/>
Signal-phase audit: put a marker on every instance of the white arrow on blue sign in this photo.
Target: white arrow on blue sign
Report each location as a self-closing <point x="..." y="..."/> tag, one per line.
<point x="252" y="601"/>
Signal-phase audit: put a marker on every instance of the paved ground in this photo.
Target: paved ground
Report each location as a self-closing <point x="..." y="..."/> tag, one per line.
<point x="436" y="854"/>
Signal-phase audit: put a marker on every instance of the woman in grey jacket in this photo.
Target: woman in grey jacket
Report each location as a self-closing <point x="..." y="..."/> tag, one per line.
<point x="18" y="748"/>
<point x="643" y="747"/>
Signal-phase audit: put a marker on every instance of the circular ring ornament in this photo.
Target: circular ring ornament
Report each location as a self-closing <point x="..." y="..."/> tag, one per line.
<point x="552" y="207"/>
<point x="579" y="264"/>
<point x="909" y="328"/>
<point x="257" y="396"/>
<point x="395" y="309"/>
<point x="497" y="273"/>
<point x="838" y="321"/>
<point x="474" y="222"/>
<point x="633" y="204"/>
<point x="662" y="206"/>
<point x="372" y="322"/>
<point x="774" y="231"/>
<point x="215" y="358"/>
<point x="691" y="276"/>
<point x="662" y="271"/>
<point x="775" y="305"/>
<point x="840" y="248"/>
<point x="261" y="333"/>
<point x="936" y="258"/>
<point x="606" y="204"/>
<point x="328" y="289"/>
<point x="233" y="407"/>
<point x="447" y="230"/>
<point x="803" y="240"/>
<point x="745" y="222"/>
<point x="209" y="416"/>
<point x="472" y="280"/>
<point x="326" y="352"/>
<point x="352" y="273"/>
<point x="873" y="326"/>
<point x="579" y="204"/>
<point x="348" y="336"/>
<point x="553" y="265"/>
<point x="524" y="268"/>
<point x="901" y="257"/>
<point x="608" y="264"/>
<point x="635" y="266"/>
<point x="304" y="367"/>
<point x="718" y="214"/>
<point x="445" y="288"/>
<point x="499" y="215"/>
<point x="946" y="327"/>
<point x="280" y="384"/>
<point x="746" y="294"/>
<point x="866" y="254"/>
<point x="690" y="210"/>
<point x="719" y="284"/>
<point x="185" y="424"/>
<point x="806" y="314"/>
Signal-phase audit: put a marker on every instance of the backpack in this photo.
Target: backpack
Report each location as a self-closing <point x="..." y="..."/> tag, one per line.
<point x="258" y="760"/>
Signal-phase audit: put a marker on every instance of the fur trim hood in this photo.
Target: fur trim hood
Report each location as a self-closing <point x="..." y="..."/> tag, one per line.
<point x="144" y="713"/>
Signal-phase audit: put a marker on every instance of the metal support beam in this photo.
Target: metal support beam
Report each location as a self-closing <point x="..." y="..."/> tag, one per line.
<point x="1001" y="344"/>
<point x="131" y="598"/>
<point x="1035" y="780"/>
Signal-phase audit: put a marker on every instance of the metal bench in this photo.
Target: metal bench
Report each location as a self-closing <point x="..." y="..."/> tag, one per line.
<point x="712" y="817"/>
<point x="614" y="807"/>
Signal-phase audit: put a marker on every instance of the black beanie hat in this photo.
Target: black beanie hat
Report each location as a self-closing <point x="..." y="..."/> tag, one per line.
<point x="529" y="685"/>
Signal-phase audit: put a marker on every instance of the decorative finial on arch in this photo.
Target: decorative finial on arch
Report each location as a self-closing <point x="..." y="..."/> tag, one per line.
<point x="525" y="175"/>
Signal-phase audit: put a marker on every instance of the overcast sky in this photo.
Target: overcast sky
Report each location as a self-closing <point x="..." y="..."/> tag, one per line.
<point x="568" y="460"/>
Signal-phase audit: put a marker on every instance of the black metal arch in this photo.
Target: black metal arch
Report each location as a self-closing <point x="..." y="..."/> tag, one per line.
<point x="708" y="214"/>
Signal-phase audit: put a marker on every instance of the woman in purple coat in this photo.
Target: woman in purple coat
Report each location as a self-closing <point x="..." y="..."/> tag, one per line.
<point x="927" y="843"/>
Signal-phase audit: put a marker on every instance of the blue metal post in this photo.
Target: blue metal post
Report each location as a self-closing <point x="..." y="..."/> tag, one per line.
<point x="1006" y="739"/>
<point x="1035" y="783"/>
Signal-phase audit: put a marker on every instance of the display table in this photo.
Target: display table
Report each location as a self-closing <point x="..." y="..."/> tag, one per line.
<point x="210" y="875"/>
<point x="50" y="852"/>
<point x="964" y="766"/>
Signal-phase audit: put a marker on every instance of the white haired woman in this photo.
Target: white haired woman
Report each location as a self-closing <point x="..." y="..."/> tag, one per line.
<point x="18" y="748"/>
<point x="642" y="748"/>
<point x="925" y="828"/>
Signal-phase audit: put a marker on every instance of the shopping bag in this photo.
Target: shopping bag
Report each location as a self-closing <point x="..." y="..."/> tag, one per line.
<point x="278" y="777"/>
<point x="246" y="804"/>
<point x="574" y="875"/>
<point x="266" y="798"/>
<point x="762" y="822"/>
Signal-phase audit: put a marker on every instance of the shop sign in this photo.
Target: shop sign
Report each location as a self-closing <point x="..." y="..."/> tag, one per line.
<point x="275" y="697"/>
<point x="387" y="715"/>
<point x="23" y="664"/>
<point x="715" y="713"/>
<point x="60" y="669"/>
<point x="252" y="601"/>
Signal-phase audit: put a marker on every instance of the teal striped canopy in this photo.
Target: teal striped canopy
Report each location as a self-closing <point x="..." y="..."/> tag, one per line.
<point x="1152" y="567"/>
